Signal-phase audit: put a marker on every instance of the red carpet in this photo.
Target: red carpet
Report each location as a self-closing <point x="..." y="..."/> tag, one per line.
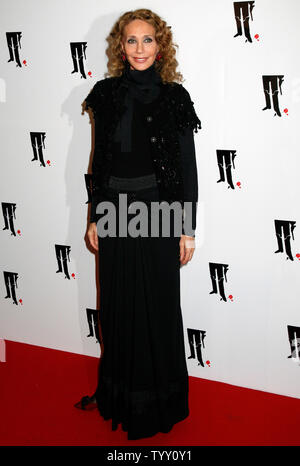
<point x="39" y="387"/>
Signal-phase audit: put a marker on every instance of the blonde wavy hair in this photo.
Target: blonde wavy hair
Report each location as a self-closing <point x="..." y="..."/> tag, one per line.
<point x="166" y="66"/>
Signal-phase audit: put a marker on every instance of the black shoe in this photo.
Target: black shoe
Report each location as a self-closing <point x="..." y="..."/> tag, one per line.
<point x="87" y="403"/>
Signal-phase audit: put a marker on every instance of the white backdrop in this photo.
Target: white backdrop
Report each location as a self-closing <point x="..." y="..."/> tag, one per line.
<point x="246" y="340"/>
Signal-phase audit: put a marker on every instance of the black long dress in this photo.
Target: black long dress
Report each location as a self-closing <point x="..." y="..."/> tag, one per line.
<point x="143" y="377"/>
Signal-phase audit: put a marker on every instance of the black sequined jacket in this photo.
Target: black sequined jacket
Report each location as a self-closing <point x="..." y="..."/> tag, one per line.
<point x="173" y="116"/>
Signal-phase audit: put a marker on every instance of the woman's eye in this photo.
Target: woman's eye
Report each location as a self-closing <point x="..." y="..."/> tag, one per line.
<point x="130" y="40"/>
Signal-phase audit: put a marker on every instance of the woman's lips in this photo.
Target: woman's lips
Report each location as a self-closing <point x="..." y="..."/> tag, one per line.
<point x="140" y="60"/>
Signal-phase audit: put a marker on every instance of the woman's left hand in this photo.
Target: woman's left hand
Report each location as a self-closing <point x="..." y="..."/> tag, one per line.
<point x="187" y="248"/>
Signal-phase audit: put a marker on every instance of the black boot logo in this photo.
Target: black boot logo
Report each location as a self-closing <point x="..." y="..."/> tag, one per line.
<point x="225" y="160"/>
<point x="196" y="340"/>
<point x="63" y="256"/>
<point x="294" y="339"/>
<point x="284" y="231"/>
<point x="93" y="323"/>
<point x="242" y="13"/>
<point x="13" y="42"/>
<point x="272" y="86"/>
<point x="38" y="143"/>
<point x="10" y="280"/>
<point x="9" y="213"/>
<point x="217" y="275"/>
<point x="78" y="52"/>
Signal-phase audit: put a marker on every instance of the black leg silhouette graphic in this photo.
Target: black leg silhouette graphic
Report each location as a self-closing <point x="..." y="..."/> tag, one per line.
<point x="242" y="13"/>
<point x="217" y="275"/>
<point x="77" y="54"/>
<point x="196" y="339"/>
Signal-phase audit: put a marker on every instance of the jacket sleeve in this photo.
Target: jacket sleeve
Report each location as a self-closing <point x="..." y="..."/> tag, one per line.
<point x="190" y="180"/>
<point x="93" y="101"/>
<point x="188" y="122"/>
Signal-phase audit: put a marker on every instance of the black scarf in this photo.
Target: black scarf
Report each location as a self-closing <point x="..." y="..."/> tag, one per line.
<point x="143" y="85"/>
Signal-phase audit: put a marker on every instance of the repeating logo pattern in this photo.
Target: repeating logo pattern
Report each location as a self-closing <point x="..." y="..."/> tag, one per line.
<point x="227" y="165"/>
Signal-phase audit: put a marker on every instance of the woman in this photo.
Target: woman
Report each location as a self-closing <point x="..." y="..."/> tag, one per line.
<point x="144" y="149"/>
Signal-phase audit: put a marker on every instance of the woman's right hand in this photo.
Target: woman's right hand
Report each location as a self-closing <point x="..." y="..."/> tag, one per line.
<point x="93" y="235"/>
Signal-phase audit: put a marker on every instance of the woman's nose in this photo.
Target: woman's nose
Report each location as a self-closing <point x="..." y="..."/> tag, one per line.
<point x="140" y="47"/>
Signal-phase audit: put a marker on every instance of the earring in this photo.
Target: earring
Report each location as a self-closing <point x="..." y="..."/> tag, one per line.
<point x="158" y="57"/>
<point x="123" y="57"/>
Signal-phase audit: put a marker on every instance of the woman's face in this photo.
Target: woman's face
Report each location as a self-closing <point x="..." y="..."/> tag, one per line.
<point x="139" y="43"/>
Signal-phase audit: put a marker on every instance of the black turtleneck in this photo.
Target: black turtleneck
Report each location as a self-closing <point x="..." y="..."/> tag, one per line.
<point x="131" y="150"/>
<point x="143" y="86"/>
